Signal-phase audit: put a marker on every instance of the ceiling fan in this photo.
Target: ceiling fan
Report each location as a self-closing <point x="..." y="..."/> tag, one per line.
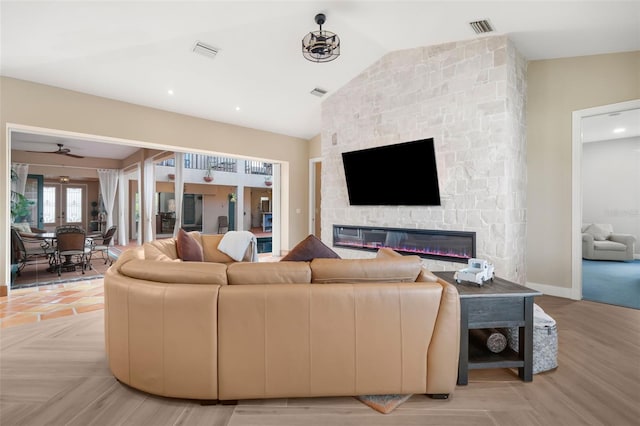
<point x="62" y="151"/>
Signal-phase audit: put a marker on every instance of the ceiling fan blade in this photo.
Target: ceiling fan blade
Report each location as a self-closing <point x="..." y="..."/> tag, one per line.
<point x="73" y="155"/>
<point x="61" y="150"/>
<point x="44" y="152"/>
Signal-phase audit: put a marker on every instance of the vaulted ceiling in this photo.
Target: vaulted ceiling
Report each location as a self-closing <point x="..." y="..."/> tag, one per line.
<point x="140" y="51"/>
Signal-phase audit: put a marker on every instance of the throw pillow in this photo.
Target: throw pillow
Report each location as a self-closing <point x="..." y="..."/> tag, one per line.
<point x="22" y="227"/>
<point x="310" y="248"/>
<point x="598" y="232"/>
<point x="188" y="248"/>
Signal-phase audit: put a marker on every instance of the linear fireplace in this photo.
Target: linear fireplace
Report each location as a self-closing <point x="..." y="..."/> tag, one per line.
<point x="453" y="246"/>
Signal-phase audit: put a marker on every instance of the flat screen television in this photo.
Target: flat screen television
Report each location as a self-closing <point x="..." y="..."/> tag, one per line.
<point x="403" y="174"/>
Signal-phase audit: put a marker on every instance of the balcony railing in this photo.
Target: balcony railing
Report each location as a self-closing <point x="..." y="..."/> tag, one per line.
<point x="258" y="168"/>
<point x="221" y="164"/>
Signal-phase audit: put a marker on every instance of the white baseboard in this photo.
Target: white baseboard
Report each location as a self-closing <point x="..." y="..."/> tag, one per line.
<point x="552" y="290"/>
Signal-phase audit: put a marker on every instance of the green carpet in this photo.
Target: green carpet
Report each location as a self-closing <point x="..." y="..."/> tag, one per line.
<point x="615" y="283"/>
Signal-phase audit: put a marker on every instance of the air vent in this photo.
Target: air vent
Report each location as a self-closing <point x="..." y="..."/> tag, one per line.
<point x="205" y="50"/>
<point x="318" y="92"/>
<point x="481" y="27"/>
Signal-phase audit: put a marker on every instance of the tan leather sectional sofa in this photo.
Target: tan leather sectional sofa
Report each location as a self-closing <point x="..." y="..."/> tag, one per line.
<point x="221" y="330"/>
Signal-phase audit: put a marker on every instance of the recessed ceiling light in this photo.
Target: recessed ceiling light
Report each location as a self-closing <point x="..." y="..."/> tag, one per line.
<point x="170" y="92"/>
<point x="237" y="108"/>
<point x="619" y="130"/>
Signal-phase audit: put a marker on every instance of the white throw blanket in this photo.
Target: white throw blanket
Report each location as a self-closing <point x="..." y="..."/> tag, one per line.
<point x="235" y="243"/>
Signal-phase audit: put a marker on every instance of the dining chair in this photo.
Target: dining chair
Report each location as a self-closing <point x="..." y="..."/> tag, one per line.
<point x="28" y="251"/>
<point x="71" y="248"/>
<point x="100" y="243"/>
<point x="223" y="224"/>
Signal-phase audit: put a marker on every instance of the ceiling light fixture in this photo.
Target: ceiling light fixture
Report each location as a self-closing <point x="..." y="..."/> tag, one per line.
<point x="64" y="179"/>
<point x="321" y="46"/>
<point x="619" y="130"/>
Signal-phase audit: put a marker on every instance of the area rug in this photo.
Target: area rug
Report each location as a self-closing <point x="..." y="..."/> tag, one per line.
<point x="615" y="283"/>
<point x="383" y="403"/>
<point x="114" y="253"/>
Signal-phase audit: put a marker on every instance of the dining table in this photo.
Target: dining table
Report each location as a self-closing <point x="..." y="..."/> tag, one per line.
<point x="50" y="238"/>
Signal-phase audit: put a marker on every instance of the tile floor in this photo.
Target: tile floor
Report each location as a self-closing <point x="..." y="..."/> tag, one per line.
<point x="33" y="304"/>
<point x="54" y="300"/>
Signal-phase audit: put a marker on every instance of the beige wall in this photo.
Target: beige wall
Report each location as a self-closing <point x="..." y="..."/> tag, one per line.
<point x="555" y="89"/>
<point x="31" y="104"/>
<point x="315" y="147"/>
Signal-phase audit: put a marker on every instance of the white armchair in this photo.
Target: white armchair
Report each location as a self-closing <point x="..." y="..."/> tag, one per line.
<point x="600" y="243"/>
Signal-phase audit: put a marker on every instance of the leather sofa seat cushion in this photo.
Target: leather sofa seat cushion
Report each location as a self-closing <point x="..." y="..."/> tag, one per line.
<point x="381" y="270"/>
<point x="176" y="272"/>
<point x="609" y="245"/>
<point x="269" y="273"/>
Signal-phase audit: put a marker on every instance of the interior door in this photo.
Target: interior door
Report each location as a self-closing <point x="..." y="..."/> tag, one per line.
<point x="64" y="204"/>
<point x="33" y="192"/>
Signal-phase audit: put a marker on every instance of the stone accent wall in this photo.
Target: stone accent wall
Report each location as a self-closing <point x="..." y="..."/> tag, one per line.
<point x="470" y="97"/>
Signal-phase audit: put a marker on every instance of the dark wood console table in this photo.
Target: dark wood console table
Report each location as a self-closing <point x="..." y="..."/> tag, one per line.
<point x="498" y="303"/>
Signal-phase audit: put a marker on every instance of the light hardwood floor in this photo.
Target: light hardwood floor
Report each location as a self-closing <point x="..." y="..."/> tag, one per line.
<point x="55" y="373"/>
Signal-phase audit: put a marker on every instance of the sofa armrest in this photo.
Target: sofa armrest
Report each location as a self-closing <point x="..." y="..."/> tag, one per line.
<point x="587" y="246"/>
<point x="587" y="238"/>
<point x="162" y="338"/>
<point x="626" y="239"/>
<point x="444" y="349"/>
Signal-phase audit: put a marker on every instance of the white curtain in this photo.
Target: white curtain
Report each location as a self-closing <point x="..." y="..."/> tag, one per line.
<point x="123" y="210"/>
<point x="140" y="213"/>
<point x="179" y="191"/>
<point x="149" y="193"/>
<point x="108" y="186"/>
<point x="22" y="170"/>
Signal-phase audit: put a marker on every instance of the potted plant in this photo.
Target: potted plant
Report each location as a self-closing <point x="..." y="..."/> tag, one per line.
<point x="208" y="177"/>
<point x="20" y="205"/>
<point x="268" y="181"/>
<point x="20" y="208"/>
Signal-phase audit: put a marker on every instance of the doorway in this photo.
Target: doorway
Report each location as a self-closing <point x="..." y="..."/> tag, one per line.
<point x="613" y="211"/>
<point x="63" y="204"/>
<point x="315" y="197"/>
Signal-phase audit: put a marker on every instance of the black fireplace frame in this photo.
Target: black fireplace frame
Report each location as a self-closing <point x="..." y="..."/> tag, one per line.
<point x="372" y="238"/>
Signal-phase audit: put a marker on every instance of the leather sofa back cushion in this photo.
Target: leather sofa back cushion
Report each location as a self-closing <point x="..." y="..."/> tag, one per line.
<point x="164" y="249"/>
<point x="269" y="273"/>
<point x="425" y="274"/>
<point x="210" y="248"/>
<point x="391" y="269"/>
<point x="176" y="272"/>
